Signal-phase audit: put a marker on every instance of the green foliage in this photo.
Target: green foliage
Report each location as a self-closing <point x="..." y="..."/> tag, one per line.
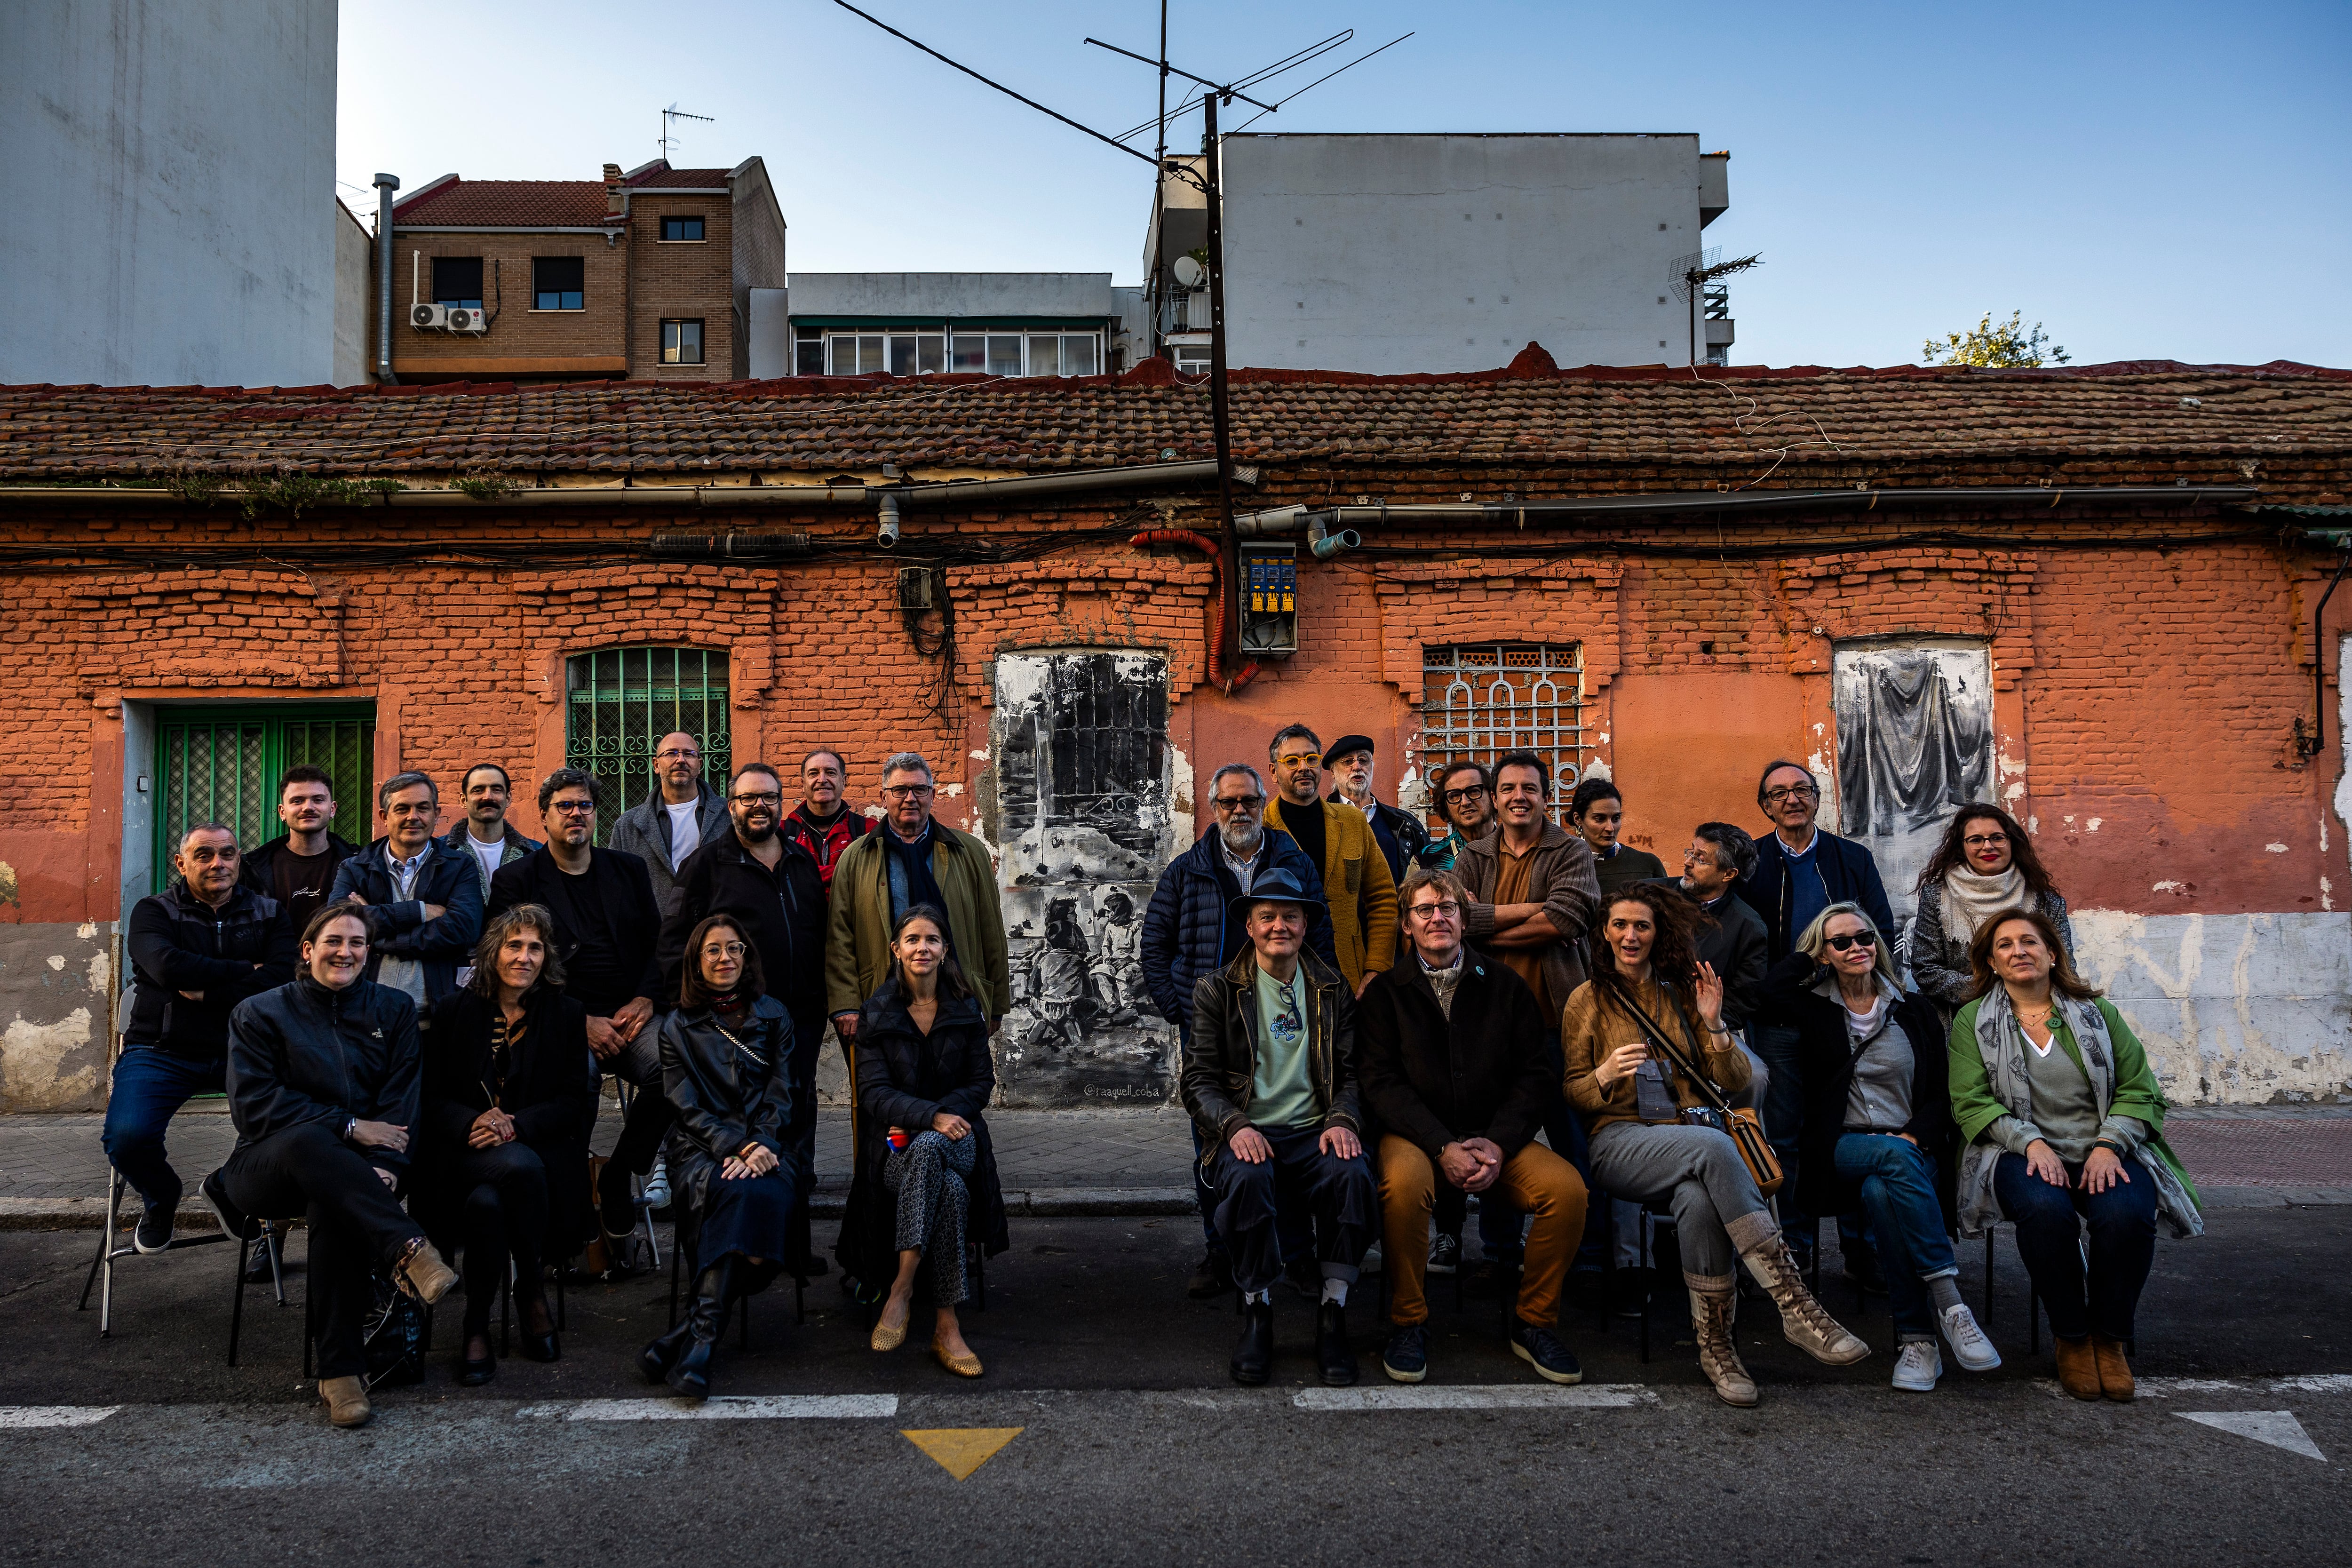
<point x="192" y="488"/>
<point x="2008" y="345"/>
<point x="484" y="486"/>
<point x="295" y="493"/>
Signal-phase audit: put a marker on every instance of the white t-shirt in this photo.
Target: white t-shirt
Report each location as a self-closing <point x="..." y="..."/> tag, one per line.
<point x="685" y="830"/>
<point x="489" y="854"/>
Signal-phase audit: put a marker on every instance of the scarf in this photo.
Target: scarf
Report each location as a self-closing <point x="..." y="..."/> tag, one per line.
<point x="1970" y="900"/>
<point x="914" y="864"/>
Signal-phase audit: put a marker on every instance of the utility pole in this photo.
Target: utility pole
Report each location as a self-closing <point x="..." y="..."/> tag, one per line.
<point x="1220" y="410"/>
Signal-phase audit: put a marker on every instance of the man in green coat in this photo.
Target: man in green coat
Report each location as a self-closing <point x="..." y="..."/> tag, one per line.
<point x="911" y="860"/>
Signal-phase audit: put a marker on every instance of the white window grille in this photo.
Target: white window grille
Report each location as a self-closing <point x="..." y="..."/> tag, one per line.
<point x="1480" y="700"/>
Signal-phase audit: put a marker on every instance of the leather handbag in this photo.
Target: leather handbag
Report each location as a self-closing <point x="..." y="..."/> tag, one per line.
<point x="1739" y="1123"/>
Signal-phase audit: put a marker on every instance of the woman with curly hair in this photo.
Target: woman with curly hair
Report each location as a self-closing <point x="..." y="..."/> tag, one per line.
<point x="1649" y="1002"/>
<point x="1986" y="865"/>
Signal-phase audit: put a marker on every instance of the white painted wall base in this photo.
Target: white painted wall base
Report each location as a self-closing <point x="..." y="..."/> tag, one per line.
<point x="2246" y="1009"/>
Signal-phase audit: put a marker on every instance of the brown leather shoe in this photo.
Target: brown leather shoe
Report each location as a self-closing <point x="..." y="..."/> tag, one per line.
<point x="422" y="1274"/>
<point x="347" y="1400"/>
<point x="2115" y="1371"/>
<point x="2078" y="1369"/>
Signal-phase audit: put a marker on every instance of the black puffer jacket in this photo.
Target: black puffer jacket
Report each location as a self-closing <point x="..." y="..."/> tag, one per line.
<point x="723" y="1099"/>
<point x="549" y="1090"/>
<point x="905" y="1077"/>
<point x="178" y="943"/>
<point x="303" y="1053"/>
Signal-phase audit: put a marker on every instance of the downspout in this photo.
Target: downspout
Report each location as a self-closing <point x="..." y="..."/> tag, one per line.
<point x="1216" y="555"/>
<point x="2308" y="746"/>
<point x="385" y="185"/>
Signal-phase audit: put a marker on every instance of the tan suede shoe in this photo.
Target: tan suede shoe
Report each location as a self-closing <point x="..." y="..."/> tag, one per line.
<point x="2115" y="1371"/>
<point x="2078" y="1369"/>
<point x="347" y="1400"/>
<point x="424" y="1275"/>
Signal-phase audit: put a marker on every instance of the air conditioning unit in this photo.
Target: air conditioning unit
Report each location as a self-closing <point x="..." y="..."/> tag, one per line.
<point x="468" y="319"/>
<point x="429" y="317"/>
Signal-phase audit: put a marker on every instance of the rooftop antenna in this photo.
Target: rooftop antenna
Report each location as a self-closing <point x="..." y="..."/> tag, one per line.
<point x="675" y="112"/>
<point x="1691" y="274"/>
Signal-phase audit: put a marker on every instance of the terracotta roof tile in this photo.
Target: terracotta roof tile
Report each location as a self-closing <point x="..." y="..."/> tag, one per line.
<point x="654" y="178"/>
<point x="506" y="204"/>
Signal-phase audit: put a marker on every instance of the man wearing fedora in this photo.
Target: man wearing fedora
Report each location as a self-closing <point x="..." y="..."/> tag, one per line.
<point x="1270" y="1081"/>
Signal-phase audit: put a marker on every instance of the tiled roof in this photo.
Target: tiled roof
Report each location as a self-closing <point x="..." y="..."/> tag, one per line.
<point x="506" y="204"/>
<point x="658" y="176"/>
<point x="1889" y="423"/>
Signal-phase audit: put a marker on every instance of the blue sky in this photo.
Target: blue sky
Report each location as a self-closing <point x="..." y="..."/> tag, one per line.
<point x="2155" y="181"/>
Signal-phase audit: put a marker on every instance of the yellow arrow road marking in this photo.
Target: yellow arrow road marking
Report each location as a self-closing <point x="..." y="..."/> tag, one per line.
<point x="961" y="1450"/>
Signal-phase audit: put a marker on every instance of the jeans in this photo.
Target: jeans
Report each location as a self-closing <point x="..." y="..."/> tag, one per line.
<point x="502" y="1205"/>
<point x="1898" y="1194"/>
<point x="1784" y="1112"/>
<point x="1341" y="1193"/>
<point x="2049" y="1223"/>
<point x="150" y="1087"/>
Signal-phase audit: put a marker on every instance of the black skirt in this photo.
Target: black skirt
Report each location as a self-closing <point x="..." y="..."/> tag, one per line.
<point x="749" y="1218"/>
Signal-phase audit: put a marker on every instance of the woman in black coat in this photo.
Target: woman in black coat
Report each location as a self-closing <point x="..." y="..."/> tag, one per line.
<point x="726" y="1068"/>
<point x="1878" y="1137"/>
<point x="926" y="1177"/>
<point x="508" y="1096"/>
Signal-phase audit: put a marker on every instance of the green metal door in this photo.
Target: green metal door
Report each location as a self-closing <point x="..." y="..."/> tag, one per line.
<point x="623" y="700"/>
<point x="222" y="764"/>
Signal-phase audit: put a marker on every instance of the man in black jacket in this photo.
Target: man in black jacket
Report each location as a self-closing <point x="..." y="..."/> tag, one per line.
<point x="1720" y="856"/>
<point x="423" y="903"/>
<point x="764" y="878"/>
<point x="1270" y="1081"/>
<point x="322" y="1084"/>
<point x="1450" y="1049"/>
<point x="607" y="933"/>
<point x="1399" y="834"/>
<point x="298" y="867"/>
<point x="197" y="949"/>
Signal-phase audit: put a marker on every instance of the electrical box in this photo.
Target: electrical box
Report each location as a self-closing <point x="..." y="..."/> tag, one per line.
<point x="1270" y="600"/>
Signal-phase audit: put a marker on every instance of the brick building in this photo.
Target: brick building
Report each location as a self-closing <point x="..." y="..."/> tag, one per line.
<point x="645" y="274"/>
<point x="2101" y="581"/>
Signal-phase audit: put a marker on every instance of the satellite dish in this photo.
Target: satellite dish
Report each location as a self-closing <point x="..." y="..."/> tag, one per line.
<point x="1188" y="271"/>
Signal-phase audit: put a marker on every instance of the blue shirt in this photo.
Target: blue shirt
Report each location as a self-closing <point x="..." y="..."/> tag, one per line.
<point x="1808" y="894"/>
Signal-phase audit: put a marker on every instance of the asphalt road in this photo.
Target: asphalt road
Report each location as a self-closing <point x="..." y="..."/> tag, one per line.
<point x="1132" y="1446"/>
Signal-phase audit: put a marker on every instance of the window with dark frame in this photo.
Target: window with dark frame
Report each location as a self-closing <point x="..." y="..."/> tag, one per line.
<point x="559" y="283"/>
<point x="676" y="228"/>
<point x="681" y="342"/>
<point x="457" y="281"/>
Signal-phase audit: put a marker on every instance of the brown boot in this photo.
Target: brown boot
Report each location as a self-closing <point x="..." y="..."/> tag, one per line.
<point x="1803" y="1322"/>
<point x="1718" y="1357"/>
<point x="2078" y="1369"/>
<point x="422" y="1273"/>
<point x="347" y="1400"/>
<point x="2115" y="1371"/>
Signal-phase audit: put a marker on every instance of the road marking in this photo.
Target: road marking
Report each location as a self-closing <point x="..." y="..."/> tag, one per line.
<point x="2180" y="1387"/>
<point x="960" y="1450"/>
<point x="1420" y="1397"/>
<point x="2279" y="1428"/>
<point x="724" y="1407"/>
<point x="20" y="1418"/>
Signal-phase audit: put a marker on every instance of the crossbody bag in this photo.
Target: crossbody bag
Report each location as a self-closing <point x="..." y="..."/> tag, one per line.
<point x="1739" y="1123"/>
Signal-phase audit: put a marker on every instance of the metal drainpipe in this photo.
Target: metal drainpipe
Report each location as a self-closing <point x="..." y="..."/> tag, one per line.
<point x="385" y="185"/>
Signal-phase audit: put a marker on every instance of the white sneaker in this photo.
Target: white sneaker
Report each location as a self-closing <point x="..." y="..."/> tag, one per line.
<point x="658" y="1184"/>
<point x="1918" y="1367"/>
<point x="1969" y="1346"/>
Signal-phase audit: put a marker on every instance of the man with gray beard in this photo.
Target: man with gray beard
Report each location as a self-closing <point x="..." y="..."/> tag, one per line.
<point x="1188" y="932"/>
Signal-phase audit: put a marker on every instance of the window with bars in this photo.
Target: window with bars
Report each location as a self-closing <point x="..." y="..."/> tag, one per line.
<point x="1480" y="700"/>
<point x="222" y="764"/>
<point x="622" y="700"/>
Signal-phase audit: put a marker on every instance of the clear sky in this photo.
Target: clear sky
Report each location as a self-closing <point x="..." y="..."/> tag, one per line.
<point x="2151" y="180"/>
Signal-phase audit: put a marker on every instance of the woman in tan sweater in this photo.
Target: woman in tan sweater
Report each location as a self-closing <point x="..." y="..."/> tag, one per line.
<point x="1646" y="975"/>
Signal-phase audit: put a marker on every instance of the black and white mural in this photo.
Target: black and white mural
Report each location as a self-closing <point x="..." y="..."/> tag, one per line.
<point x="1913" y="739"/>
<point x="1083" y="777"/>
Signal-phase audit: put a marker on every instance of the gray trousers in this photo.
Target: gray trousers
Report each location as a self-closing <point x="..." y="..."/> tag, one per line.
<point x="1719" y="1212"/>
<point x="1626" y="1218"/>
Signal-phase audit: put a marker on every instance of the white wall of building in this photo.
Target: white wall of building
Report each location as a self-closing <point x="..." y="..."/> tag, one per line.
<point x="354" y="298"/>
<point x="951" y="296"/>
<point x="169" y="183"/>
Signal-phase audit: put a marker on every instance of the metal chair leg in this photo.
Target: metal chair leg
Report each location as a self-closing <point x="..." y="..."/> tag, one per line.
<point x="506" y="1308"/>
<point x="273" y="1244"/>
<point x="103" y="1262"/>
<point x="1647" y="1235"/>
<point x="237" y="1310"/>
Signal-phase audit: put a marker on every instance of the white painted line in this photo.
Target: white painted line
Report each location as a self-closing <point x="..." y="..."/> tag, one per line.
<point x="2279" y="1428"/>
<point x="19" y="1417"/>
<point x="2324" y="1382"/>
<point x="1519" y="1396"/>
<point x="2182" y="1387"/>
<point x="725" y="1407"/>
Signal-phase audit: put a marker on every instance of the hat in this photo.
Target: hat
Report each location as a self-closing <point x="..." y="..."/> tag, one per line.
<point x="1276" y="886"/>
<point x="1345" y="744"/>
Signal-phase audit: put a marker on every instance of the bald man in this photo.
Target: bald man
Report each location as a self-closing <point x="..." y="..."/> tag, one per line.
<point x="682" y="815"/>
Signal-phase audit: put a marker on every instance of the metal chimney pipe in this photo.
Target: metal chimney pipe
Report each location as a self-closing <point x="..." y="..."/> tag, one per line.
<point x="385" y="185"/>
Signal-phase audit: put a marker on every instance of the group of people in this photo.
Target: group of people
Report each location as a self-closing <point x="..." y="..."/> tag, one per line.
<point x="1378" y="1026"/>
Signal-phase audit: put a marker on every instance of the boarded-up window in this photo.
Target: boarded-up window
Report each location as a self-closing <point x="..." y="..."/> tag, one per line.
<point x="1915" y="739"/>
<point x="1082" y="764"/>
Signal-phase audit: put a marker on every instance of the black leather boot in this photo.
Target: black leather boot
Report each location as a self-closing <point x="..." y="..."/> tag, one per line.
<point x="1332" y="1351"/>
<point x="689" y="1375"/>
<point x="1253" y="1352"/>
<point x="656" y="1359"/>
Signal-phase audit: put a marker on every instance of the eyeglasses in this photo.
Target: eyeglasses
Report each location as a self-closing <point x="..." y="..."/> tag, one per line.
<point x="907" y="791"/>
<point x="1449" y="909"/>
<point x="724" y="949"/>
<point x="766" y="797"/>
<point x="1985" y="840"/>
<point x="1238" y="802"/>
<point x="576" y="807"/>
<point x="1459" y="796"/>
<point x="674" y="755"/>
<point x="1852" y="939"/>
<point x="1790" y="792"/>
<point x="1303" y="760"/>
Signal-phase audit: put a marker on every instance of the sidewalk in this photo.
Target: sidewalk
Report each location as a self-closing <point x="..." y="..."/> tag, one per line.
<point x="1081" y="1163"/>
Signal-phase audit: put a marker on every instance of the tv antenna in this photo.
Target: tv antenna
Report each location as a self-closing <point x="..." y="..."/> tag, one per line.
<point x="675" y="112"/>
<point x="1691" y="274"/>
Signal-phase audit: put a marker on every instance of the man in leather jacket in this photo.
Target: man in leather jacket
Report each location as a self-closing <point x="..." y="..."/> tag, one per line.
<point x="1270" y="1081"/>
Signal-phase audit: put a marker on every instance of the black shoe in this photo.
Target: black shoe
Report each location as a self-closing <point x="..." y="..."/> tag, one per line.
<point x="1862" y="1269"/>
<point x="215" y="1192"/>
<point x="472" y="1373"/>
<point x="656" y="1359"/>
<point x="1444" y="1254"/>
<point x="1305" y="1277"/>
<point x="1211" y="1277"/>
<point x="538" y="1346"/>
<point x="1254" y="1352"/>
<point x="256" y="1263"/>
<point x="1406" y="1360"/>
<point x="812" y="1267"/>
<point x="1540" y="1349"/>
<point x="1331" y="1348"/>
<point x="689" y="1375"/>
<point x="153" y="1232"/>
<point x="1495" y="1278"/>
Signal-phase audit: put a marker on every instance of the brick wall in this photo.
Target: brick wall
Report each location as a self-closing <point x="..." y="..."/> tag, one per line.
<point x="518" y="331"/>
<point x="682" y="278"/>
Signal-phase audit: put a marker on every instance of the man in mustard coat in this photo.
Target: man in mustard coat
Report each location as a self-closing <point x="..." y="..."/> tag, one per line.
<point x="1339" y="842"/>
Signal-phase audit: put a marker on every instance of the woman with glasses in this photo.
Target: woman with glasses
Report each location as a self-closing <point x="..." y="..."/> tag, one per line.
<point x="1878" y="1136"/>
<point x="1985" y="865"/>
<point x="727" y="1066"/>
<point x="2063" y="1122"/>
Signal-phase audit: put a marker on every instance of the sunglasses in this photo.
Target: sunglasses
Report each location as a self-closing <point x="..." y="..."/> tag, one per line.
<point x="1851" y="939"/>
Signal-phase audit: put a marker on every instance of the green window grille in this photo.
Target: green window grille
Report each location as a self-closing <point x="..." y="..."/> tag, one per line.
<point x="222" y="764"/>
<point x="623" y="700"/>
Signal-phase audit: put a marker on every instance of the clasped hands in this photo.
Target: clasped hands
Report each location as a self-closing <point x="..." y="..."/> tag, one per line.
<point x="752" y="1160"/>
<point x="608" y="1035"/>
<point x="1472" y="1164"/>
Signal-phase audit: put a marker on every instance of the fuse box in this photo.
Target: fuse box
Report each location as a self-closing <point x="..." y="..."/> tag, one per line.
<point x="1270" y="600"/>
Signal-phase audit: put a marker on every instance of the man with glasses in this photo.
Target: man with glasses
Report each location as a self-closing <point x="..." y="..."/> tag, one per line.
<point x="766" y="881"/>
<point x="486" y="834"/>
<point x="1449" y="1049"/>
<point x="424" y="908"/>
<point x="1467" y="804"/>
<point x="822" y="824"/>
<point x="607" y="930"/>
<point x="682" y="815"/>
<point x="1340" y="843"/>
<point x="1188" y="932"/>
<point x="299" y="866"/>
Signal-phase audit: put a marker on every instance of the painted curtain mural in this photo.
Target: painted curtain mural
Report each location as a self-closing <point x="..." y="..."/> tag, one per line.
<point x="1913" y="739"/>
<point x="1082" y="803"/>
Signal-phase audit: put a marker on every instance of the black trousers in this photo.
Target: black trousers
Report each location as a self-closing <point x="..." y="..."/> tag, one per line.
<point x="502" y="1212"/>
<point x="357" y="1225"/>
<point x="638" y="1065"/>
<point x="1342" y="1195"/>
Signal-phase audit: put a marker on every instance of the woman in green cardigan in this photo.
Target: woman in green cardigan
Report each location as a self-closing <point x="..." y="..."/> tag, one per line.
<point x="2064" y="1125"/>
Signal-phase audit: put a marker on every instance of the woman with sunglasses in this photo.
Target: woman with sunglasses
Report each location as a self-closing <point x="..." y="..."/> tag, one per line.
<point x="1878" y="1136"/>
<point x="1986" y="865"/>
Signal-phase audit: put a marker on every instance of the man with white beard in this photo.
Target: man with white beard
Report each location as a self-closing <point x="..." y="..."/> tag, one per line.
<point x="1188" y="932"/>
